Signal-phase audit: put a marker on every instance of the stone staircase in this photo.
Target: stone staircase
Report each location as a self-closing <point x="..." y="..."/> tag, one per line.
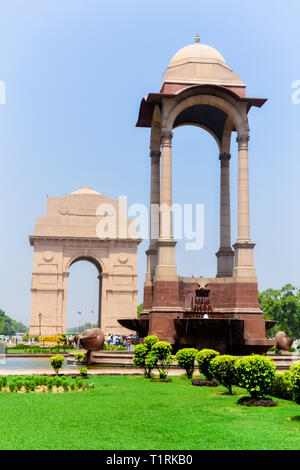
<point x="284" y="361"/>
<point x="113" y="358"/>
<point x="108" y="358"/>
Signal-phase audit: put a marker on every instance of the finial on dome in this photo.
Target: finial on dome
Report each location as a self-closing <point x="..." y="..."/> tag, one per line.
<point x="197" y="38"/>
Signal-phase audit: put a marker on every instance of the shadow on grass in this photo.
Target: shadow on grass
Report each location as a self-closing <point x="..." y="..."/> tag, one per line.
<point x="293" y="418"/>
<point x="226" y="393"/>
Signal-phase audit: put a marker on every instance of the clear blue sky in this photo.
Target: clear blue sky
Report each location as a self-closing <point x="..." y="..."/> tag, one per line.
<point x="75" y="72"/>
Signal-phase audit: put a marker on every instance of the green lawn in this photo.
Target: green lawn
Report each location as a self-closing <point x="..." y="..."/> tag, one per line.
<point x="131" y="412"/>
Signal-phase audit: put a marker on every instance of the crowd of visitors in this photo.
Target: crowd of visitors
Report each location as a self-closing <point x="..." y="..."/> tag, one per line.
<point x="110" y="340"/>
<point x="14" y="339"/>
<point x="121" y="340"/>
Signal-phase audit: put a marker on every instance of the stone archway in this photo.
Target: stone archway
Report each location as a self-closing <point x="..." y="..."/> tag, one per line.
<point x="95" y="262"/>
<point x="68" y="233"/>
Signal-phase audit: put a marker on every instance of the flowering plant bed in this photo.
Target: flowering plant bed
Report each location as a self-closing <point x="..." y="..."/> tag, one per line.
<point x="38" y="383"/>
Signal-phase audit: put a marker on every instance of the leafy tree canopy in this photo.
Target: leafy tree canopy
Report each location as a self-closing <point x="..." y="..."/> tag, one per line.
<point x="139" y="309"/>
<point x="283" y="306"/>
<point x="10" y="327"/>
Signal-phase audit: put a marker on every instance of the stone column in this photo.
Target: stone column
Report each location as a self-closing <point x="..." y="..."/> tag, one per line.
<point x="166" y="187"/>
<point x="100" y="301"/>
<point x="166" y="267"/>
<point x="244" y="263"/>
<point x="225" y="254"/>
<point x="154" y="215"/>
<point x="155" y="194"/>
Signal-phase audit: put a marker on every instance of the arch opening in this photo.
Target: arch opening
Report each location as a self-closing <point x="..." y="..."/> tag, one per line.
<point x="85" y="293"/>
<point x="225" y="104"/>
<point x="206" y="116"/>
<point x="198" y="173"/>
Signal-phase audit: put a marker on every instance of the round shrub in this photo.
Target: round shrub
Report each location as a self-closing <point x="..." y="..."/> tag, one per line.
<point x="79" y="383"/>
<point x="12" y="386"/>
<point x="150" y="340"/>
<point x="150" y="361"/>
<point x="3" y="382"/>
<point x="141" y="352"/>
<point x="49" y="383"/>
<point x="222" y="368"/>
<point x="57" y="381"/>
<point x="42" y="380"/>
<point x="19" y="384"/>
<point x="79" y="356"/>
<point x="295" y="381"/>
<point x="186" y="360"/>
<point x="256" y="374"/>
<point x="162" y="350"/>
<point x="282" y="386"/>
<point x="83" y="371"/>
<point x="29" y="385"/>
<point x="57" y="362"/>
<point x="204" y="358"/>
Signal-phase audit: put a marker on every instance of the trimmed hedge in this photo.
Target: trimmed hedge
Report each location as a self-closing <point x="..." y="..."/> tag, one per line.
<point x="162" y="351"/>
<point x="204" y="358"/>
<point x="57" y="362"/>
<point x="282" y="386"/>
<point x="153" y="353"/>
<point x="30" y="383"/>
<point x="256" y="374"/>
<point x="150" y="341"/>
<point x="223" y="370"/>
<point x="186" y="360"/>
<point x="36" y="349"/>
<point x="295" y="381"/>
<point x="141" y="352"/>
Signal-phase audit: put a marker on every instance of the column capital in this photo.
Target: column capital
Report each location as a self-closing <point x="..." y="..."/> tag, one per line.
<point x="155" y="157"/>
<point x="166" y="137"/>
<point x="242" y="141"/>
<point x="224" y="158"/>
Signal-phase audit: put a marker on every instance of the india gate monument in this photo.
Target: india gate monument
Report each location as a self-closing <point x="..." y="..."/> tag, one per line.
<point x="67" y="234"/>
<point x="199" y="88"/>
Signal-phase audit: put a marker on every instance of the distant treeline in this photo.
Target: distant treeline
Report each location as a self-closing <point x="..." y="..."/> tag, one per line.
<point x="283" y="306"/>
<point x="10" y="327"/>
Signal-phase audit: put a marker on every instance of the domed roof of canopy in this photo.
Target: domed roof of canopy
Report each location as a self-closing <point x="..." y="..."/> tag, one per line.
<point x="202" y="67"/>
<point x="86" y="191"/>
<point x="200" y="64"/>
<point x="197" y="50"/>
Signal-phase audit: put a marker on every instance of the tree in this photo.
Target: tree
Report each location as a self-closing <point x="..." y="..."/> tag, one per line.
<point x="186" y="360"/>
<point x="283" y="306"/>
<point x="162" y="352"/>
<point x="143" y="356"/>
<point x="204" y="358"/>
<point x="256" y="374"/>
<point x="223" y="369"/>
<point x="10" y="327"/>
<point x="143" y="359"/>
<point x="57" y="362"/>
<point x="139" y="309"/>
